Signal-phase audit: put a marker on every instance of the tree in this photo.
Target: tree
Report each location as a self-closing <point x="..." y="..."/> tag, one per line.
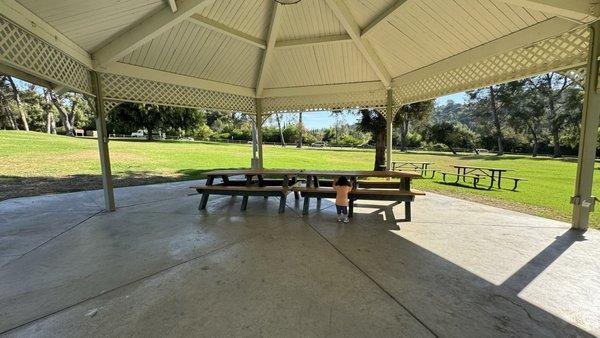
<point x="17" y="99"/>
<point x="47" y="106"/>
<point x="411" y="113"/>
<point x="8" y="119"/>
<point x="374" y="123"/>
<point x="301" y="130"/>
<point x="526" y="113"/>
<point x="489" y="103"/>
<point x="128" y="117"/>
<point x="552" y="86"/>
<point x="451" y="135"/>
<point x="278" y="118"/>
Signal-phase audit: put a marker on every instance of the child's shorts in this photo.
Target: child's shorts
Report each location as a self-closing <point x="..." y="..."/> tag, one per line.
<point x="341" y="209"/>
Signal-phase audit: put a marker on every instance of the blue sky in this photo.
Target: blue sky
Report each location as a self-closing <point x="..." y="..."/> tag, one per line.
<point x="318" y="120"/>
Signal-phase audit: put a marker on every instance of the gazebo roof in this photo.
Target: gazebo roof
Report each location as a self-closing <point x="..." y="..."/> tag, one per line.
<point x="316" y="54"/>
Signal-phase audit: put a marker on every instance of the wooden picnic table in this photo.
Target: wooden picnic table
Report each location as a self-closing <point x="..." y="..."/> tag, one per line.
<point x="394" y="192"/>
<point x="494" y="173"/>
<point x="312" y="176"/>
<point x="249" y="187"/>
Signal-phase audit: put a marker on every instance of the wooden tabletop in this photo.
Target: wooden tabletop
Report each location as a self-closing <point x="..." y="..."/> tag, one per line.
<point x="482" y="168"/>
<point x="254" y="172"/>
<point x="324" y="173"/>
<point x="360" y="173"/>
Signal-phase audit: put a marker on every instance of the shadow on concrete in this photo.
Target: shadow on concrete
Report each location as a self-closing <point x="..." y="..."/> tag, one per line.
<point x="445" y="297"/>
<point x="23" y="186"/>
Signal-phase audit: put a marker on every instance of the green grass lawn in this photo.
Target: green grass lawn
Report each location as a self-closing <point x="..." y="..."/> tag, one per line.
<point x="35" y="163"/>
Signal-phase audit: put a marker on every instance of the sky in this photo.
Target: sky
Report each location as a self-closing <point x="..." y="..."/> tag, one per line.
<point x="318" y="120"/>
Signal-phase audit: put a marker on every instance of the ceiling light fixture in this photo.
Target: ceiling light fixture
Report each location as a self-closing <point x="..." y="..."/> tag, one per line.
<point x="287" y="2"/>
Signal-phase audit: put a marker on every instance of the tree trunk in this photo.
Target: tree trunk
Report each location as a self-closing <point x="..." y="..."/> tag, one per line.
<point x="555" y="127"/>
<point x="7" y="113"/>
<point x="496" y="120"/>
<point x="72" y="113"/>
<point x="403" y="133"/>
<point x="451" y="148"/>
<point x="380" y="150"/>
<point x="50" y="121"/>
<point x="534" y="151"/>
<point x="301" y="129"/>
<point x="17" y="97"/>
<point x="150" y="136"/>
<point x="62" y="114"/>
<point x="280" y="130"/>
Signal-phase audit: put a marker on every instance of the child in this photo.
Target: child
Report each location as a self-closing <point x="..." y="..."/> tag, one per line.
<point x="342" y="187"/>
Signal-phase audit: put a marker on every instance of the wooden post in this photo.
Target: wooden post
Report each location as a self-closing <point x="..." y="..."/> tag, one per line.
<point x="107" y="183"/>
<point x="259" y="123"/>
<point x="389" y="118"/>
<point x="583" y="201"/>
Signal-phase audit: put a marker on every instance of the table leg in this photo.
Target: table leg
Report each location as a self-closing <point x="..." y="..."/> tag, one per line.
<point x="351" y="208"/>
<point x="306" y="205"/>
<point x="407" y="212"/>
<point x="405" y="182"/>
<point x="499" y="179"/>
<point x="317" y="185"/>
<point x="244" y="202"/>
<point x="203" y="201"/>
<point x="492" y="178"/>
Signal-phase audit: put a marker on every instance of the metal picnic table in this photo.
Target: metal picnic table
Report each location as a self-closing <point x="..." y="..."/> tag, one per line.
<point x="422" y="167"/>
<point x="495" y="174"/>
<point x="414" y="165"/>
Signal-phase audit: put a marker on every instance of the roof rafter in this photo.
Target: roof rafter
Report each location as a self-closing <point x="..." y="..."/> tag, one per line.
<point x="173" y="6"/>
<point x="322" y="40"/>
<point x="341" y="11"/>
<point x="523" y="38"/>
<point x="219" y="27"/>
<point x="381" y="18"/>
<point x="578" y="10"/>
<point x="146" y="30"/>
<point x="271" y="39"/>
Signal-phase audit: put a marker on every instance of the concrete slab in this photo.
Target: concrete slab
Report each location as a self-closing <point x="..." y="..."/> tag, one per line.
<point x="158" y="267"/>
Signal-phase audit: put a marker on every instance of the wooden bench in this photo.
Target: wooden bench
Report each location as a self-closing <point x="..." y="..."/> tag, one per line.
<point x="245" y="191"/>
<point x="363" y="194"/>
<point x="515" y="179"/>
<point x="476" y="178"/>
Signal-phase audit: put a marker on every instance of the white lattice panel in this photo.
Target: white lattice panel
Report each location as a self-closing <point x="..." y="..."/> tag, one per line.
<point x="567" y="50"/>
<point x="20" y="48"/>
<point x="350" y="100"/>
<point x="124" y="88"/>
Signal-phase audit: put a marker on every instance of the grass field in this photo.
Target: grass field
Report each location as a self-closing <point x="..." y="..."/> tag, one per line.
<point x="35" y="163"/>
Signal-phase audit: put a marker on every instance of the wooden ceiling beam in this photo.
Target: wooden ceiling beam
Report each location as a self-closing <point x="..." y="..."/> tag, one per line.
<point x="147" y="30"/>
<point x="231" y="32"/>
<point x="322" y="40"/>
<point x="382" y="18"/>
<point x="578" y="10"/>
<point x="343" y="14"/>
<point x="268" y="54"/>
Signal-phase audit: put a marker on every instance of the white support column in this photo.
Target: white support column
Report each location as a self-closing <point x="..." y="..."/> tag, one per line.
<point x="389" y="118"/>
<point x="107" y="184"/>
<point x="583" y="201"/>
<point x="259" y="123"/>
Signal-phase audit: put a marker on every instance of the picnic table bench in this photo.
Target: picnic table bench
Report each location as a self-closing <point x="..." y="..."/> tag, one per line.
<point x="398" y="191"/>
<point x="422" y="167"/>
<point x="261" y="186"/>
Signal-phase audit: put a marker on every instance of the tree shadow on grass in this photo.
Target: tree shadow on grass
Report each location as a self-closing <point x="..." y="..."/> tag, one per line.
<point x="21" y="186"/>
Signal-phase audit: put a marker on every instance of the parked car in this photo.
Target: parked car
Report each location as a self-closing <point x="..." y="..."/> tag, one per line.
<point x="140" y="133"/>
<point x="319" y="144"/>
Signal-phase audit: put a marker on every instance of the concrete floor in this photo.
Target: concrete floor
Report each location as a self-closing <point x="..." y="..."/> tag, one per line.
<point x="159" y="267"/>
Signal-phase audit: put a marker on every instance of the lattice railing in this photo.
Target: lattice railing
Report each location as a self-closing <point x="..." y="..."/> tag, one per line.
<point x="24" y="50"/>
<point x="567" y="50"/>
<point x="124" y="88"/>
<point x="350" y="100"/>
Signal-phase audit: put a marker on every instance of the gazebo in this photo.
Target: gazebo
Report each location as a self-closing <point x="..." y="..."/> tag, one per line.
<point x="263" y="56"/>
